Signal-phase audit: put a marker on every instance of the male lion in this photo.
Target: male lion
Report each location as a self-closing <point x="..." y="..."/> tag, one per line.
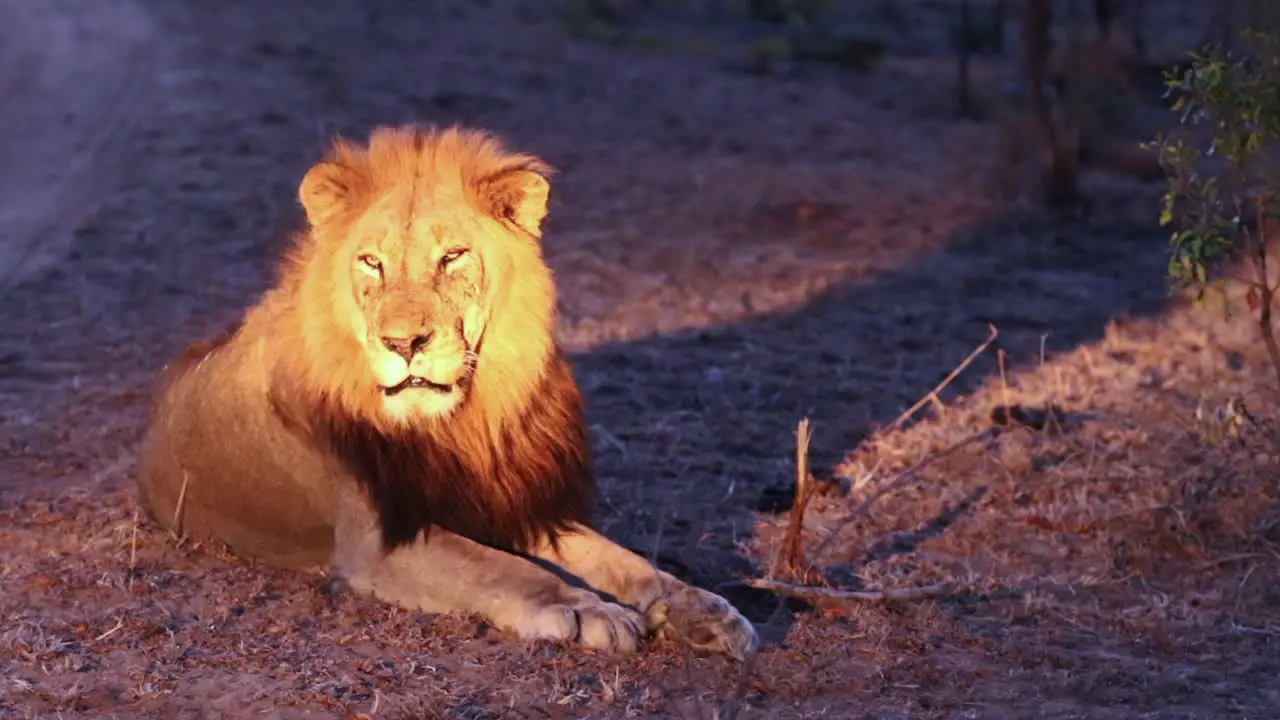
<point x="395" y="411"/>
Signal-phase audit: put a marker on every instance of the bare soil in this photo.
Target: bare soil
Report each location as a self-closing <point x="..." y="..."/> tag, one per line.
<point x="735" y="250"/>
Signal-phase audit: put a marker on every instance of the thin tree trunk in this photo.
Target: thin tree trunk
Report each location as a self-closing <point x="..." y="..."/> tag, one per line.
<point x="963" y="95"/>
<point x="1060" y="180"/>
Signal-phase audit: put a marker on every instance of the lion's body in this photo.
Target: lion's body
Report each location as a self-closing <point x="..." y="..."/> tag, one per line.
<point x="395" y="412"/>
<point x="240" y="475"/>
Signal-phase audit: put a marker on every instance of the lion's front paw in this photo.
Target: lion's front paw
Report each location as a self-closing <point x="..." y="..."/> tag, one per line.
<point x="704" y="621"/>
<point x="589" y="620"/>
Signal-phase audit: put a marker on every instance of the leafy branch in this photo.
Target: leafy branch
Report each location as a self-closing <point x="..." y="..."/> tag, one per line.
<point x="1224" y="190"/>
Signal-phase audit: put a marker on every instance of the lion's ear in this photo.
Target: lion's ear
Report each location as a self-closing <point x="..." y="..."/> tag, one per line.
<point x="519" y="196"/>
<point x="325" y="191"/>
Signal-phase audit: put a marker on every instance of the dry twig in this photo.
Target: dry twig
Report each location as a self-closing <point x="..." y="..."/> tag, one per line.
<point x="1004" y="379"/>
<point x="133" y="551"/>
<point x="114" y="629"/>
<point x="932" y="396"/>
<point x="826" y="596"/>
<point x="177" y="509"/>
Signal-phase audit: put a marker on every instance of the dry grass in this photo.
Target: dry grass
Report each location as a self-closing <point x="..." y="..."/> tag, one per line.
<point x="735" y="252"/>
<point x="95" y="628"/>
<point x="1144" y="527"/>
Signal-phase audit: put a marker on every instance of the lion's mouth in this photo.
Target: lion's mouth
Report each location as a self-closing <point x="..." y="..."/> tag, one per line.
<point x="414" y="382"/>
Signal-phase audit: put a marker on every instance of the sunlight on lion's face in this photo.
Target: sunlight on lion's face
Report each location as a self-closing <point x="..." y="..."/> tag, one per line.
<point x="417" y="280"/>
<point x="421" y="245"/>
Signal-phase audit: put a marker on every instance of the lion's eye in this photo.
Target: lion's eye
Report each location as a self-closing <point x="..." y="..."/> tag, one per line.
<point x="452" y="256"/>
<point x="371" y="263"/>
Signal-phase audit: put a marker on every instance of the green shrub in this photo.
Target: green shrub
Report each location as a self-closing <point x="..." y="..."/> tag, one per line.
<point x="1224" y="184"/>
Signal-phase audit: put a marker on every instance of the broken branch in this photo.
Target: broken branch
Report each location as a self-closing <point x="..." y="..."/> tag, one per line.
<point x="790" y="555"/>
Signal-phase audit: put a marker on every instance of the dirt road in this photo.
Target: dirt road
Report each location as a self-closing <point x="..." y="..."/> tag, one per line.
<point x="74" y="77"/>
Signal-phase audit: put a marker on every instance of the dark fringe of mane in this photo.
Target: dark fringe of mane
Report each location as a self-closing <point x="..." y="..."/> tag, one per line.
<point x="541" y="481"/>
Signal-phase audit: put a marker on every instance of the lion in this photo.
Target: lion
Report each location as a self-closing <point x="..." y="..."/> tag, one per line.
<point x="394" y="415"/>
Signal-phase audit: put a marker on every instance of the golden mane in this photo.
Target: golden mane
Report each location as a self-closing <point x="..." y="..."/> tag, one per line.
<point x="511" y="463"/>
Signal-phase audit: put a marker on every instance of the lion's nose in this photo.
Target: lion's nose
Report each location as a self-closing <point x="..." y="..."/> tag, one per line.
<point x="406" y="347"/>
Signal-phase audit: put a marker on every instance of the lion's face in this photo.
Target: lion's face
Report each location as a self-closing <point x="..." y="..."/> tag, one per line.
<point x="422" y="245"/>
<point x="418" y="304"/>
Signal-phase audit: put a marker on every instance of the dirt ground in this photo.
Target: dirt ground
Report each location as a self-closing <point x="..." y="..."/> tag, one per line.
<point x="736" y="249"/>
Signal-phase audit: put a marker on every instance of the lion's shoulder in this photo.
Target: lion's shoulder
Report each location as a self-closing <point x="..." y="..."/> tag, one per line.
<point x="196" y="352"/>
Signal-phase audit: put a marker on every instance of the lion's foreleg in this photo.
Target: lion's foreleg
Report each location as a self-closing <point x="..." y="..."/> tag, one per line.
<point x="678" y="610"/>
<point x="448" y="573"/>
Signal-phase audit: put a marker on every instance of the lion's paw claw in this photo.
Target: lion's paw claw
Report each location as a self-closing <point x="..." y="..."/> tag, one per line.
<point x="705" y="622"/>
<point x="590" y="621"/>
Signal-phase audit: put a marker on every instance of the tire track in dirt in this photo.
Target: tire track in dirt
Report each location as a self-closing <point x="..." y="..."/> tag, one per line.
<point x="74" y="75"/>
